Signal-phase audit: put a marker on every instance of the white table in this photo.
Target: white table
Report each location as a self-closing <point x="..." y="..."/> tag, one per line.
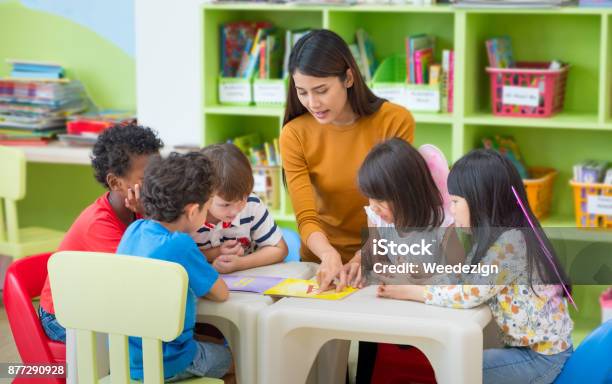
<point x="236" y="318"/>
<point x="294" y="329"/>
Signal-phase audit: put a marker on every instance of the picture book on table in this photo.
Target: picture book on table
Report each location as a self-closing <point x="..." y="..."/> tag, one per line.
<point x="307" y="289"/>
<point x="255" y="284"/>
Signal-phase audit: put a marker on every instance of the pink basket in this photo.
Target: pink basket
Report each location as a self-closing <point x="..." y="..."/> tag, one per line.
<point x="529" y="90"/>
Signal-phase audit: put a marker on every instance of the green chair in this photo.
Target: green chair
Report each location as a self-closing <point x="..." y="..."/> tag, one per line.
<point x="121" y="296"/>
<point x="14" y="241"/>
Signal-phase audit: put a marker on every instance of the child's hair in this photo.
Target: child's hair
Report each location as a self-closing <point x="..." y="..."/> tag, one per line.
<point x="233" y="169"/>
<point x="172" y="183"/>
<point x="484" y="178"/>
<point x="115" y="147"/>
<point x="323" y="53"/>
<point x="395" y="172"/>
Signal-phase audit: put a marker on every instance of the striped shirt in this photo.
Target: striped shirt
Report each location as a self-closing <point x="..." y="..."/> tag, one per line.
<point x="253" y="227"/>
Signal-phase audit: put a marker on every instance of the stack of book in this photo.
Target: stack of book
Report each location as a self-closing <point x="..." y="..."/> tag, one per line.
<point x="33" y="111"/>
<point x="35" y="70"/>
<point x="421" y="67"/>
<point x="513" y="3"/>
<point x="241" y="45"/>
<point x="83" y="129"/>
<point x="592" y="171"/>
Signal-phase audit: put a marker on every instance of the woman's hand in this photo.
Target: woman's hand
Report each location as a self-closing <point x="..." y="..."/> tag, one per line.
<point x="330" y="270"/>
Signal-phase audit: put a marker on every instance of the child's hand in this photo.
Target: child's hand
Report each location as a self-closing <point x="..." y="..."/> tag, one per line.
<point x="133" y="202"/>
<point x="232" y="247"/>
<point x="353" y="274"/>
<point x="227" y="263"/>
<point x="401" y="292"/>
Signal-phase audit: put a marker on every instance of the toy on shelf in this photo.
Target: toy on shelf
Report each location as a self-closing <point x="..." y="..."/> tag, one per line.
<point x="265" y="162"/>
<point x="538" y="181"/>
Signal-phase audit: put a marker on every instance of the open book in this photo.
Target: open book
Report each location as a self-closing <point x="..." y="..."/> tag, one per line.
<point x="307" y="288"/>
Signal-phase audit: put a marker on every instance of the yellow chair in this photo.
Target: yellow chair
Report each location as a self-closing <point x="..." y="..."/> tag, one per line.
<point x="14" y="241"/>
<point x="120" y="296"/>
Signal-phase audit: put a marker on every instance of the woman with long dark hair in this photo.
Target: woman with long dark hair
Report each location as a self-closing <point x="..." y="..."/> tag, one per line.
<point x="332" y="120"/>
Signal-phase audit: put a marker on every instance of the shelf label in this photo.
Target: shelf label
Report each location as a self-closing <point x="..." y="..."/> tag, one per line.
<point x="259" y="179"/>
<point x="599" y="205"/>
<point x="235" y="92"/>
<point x="269" y="92"/>
<point x="393" y="93"/>
<point x="427" y="100"/>
<point x="526" y="96"/>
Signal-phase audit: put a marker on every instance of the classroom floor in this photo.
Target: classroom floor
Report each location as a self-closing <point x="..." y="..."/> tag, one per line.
<point x="8" y="350"/>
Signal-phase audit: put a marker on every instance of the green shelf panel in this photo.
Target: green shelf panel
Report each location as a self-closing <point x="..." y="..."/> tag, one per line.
<point x="560" y="151"/>
<point x="244" y="111"/>
<point x="573" y="38"/>
<point x="435" y="118"/>
<point x="439" y="135"/>
<point x="388" y="30"/>
<point x="606" y="74"/>
<point x="213" y="17"/>
<point x="563" y="120"/>
<point x="220" y="128"/>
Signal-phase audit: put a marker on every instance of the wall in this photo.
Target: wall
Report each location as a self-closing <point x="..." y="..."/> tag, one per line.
<point x="93" y="39"/>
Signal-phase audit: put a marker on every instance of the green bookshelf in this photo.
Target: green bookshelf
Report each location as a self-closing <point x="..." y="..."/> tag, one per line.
<point x="580" y="36"/>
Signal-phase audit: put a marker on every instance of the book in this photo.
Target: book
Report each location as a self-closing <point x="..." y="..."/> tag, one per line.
<point x="291" y="37"/>
<point x="451" y="81"/>
<point x="499" y="52"/>
<point x="254" y="284"/>
<point x="413" y="44"/>
<point x="435" y="71"/>
<point x="422" y="59"/>
<point x="17" y="74"/>
<point x="308" y="289"/>
<point x="366" y="54"/>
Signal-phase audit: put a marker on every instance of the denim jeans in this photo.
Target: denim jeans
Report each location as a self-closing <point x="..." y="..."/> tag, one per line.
<point x="522" y="365"/>
<point x="52" y="328"/>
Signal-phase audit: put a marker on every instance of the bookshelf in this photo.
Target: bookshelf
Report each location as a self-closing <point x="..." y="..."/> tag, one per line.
<point x="580" y="36"/>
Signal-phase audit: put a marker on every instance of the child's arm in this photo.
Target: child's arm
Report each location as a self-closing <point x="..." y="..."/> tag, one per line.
<point x="218" y="292"/>
<point x="211" y="253"/>
<point x="270" y="254"/>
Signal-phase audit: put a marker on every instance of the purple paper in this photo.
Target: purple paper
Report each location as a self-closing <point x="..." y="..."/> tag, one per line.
<point x="255" y="284"/>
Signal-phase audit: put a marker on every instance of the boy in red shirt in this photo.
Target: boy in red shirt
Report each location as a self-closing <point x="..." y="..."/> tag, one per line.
<point x="118" y="158"/>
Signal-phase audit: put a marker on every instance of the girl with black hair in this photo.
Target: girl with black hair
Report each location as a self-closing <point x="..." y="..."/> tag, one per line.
<point x="526" y="298"/>
<point x="405" y="206"/>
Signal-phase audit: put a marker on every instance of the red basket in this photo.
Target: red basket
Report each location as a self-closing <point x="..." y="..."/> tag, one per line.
<point x="529" y="90"/>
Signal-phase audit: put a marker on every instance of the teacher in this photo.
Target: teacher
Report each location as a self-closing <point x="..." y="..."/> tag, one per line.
<point x="332" y="119"/>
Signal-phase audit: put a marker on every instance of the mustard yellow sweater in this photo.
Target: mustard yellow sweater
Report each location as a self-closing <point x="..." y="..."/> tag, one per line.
<point x="321" y="163"/>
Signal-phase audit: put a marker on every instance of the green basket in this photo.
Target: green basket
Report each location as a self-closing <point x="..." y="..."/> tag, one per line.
<point x="270" y="92"/>
<point x="389" y="82"/>
<point x="235" y="91"/>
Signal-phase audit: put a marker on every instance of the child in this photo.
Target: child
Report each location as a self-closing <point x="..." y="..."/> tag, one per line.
<point x="405" y="202"/>
<point x="526" y="297"/>
<point x="239" y="232"/>
<point x="118" y="158"/>
<point x="176" y="196"/>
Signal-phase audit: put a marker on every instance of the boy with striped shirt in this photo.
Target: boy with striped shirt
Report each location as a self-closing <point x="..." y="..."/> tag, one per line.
<point x="239" y="232"/>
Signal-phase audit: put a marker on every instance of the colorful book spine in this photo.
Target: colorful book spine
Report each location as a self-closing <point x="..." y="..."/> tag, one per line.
<point x="263" y="60"/>
<point x="451" y="80"/>
<point x="408" y="59"/>
<point x="434" y="74"/>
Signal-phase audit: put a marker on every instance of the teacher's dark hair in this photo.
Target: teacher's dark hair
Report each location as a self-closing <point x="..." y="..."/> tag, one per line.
<point x="322" y="53"/>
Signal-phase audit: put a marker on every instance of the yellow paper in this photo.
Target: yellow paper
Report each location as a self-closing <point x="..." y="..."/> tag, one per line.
<point x="306" y="288"/>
